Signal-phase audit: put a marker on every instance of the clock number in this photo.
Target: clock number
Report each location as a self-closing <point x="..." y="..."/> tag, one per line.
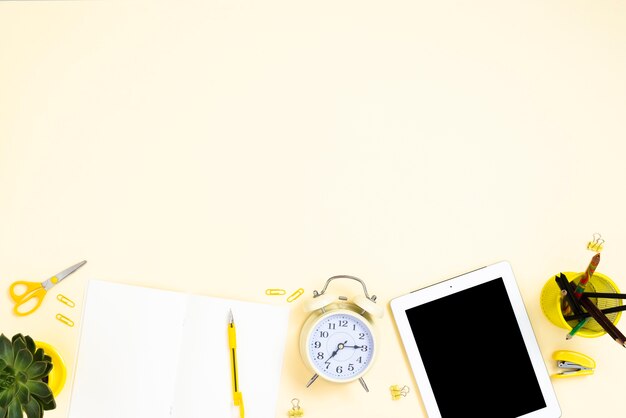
<point x="343" y="323"/>
<point x="353" y="327"/>
<point x="359" y="360"/>
<point x="324" y="334"/>
<point x="361" y="335"/>
<point x="350" y="367"/>
<point x="327" y="364"/>
<point x="317" y="344"/>
<point x="320" y="356"/>
<point x="331" y="325"/>
<point x="363" y="348"/>
<point x="339" y="369"/>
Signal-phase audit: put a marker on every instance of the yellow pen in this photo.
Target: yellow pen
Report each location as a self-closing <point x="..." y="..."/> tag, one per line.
<point x="232" y="343"/>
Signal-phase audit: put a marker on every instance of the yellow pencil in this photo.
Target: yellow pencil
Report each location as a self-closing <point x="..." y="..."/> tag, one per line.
<point x="232" y="343"/>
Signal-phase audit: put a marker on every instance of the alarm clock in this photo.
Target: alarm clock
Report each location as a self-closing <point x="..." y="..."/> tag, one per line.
<point x="338" y="339"/>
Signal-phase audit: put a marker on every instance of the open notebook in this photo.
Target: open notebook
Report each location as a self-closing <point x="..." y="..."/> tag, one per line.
<point x="148" y="353"/>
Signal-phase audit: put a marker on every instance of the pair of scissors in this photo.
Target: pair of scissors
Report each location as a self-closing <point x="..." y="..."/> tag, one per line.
<point x="29" y="295"/>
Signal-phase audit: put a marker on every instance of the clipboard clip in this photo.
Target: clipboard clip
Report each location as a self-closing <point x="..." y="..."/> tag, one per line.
<point x="572" y="363"/>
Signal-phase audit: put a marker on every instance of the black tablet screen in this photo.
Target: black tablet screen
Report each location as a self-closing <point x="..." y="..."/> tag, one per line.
<point x="474" y="354"/>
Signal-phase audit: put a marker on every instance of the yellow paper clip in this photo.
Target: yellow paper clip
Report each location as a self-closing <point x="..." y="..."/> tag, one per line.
<point x="573" y="363"/>
<point x="65" y="320"/>
<point x="275" y="292"/>
<point x="295" y="295"/>
<point x="597" y="244"/>
<point x="64" y="299"/>
<point x="296" y="410"/>
<point x="398" y="392"/>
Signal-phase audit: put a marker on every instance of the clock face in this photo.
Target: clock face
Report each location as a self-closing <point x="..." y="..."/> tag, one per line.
<point x="341" y="346"/>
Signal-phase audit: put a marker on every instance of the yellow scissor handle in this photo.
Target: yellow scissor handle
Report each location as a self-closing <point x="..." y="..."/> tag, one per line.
<point x="32" y="290"/>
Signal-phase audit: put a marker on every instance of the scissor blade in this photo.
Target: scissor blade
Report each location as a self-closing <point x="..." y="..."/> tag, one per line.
<point x="62" y="275"/>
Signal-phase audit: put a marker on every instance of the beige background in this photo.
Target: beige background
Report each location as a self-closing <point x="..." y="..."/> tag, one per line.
<point x="224" y="147"/>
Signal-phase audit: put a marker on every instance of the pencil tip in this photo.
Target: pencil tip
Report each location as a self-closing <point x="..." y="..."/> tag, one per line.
<point x="568" y="337"/>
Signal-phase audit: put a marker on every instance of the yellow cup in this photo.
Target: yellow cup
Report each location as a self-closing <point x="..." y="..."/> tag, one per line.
<point x="551" y="303"/>
<point x="58" y="375"/>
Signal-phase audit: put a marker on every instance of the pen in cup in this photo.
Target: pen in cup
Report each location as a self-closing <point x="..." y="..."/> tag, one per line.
<point x="582" y="283"/>
<point x="578" y="326"/>
<point x="606" y="311"/>
<point x="604" y="322"/>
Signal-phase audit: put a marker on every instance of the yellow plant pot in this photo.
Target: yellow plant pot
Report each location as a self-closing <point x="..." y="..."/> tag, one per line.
<point x="58" y="375"/>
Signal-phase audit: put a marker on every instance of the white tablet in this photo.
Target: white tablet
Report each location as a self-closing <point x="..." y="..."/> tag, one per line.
<point x="472" y="348"/>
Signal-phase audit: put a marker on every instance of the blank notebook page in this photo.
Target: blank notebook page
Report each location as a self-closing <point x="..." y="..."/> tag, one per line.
<point x="147" y="353"/>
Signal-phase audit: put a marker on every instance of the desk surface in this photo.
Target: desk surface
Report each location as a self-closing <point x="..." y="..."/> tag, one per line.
<point x="223" y="148"/>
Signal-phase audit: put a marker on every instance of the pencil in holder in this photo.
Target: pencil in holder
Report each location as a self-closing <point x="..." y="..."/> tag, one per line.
<point x="551" y="298"/>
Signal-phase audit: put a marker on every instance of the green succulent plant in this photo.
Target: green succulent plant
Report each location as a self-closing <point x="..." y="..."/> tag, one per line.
<point x="23" y="372"/>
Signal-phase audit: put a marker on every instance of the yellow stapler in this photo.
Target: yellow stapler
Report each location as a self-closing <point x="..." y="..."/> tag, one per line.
<point x="573" y="363"/>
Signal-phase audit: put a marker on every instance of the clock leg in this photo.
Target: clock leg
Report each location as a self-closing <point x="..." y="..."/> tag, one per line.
<point x="363" y="384"/>
<point x="315" y="376"/>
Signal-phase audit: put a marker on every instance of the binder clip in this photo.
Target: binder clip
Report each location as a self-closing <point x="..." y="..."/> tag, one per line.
<point x="597" y="244"/>
<point x="398" y="392"/>
<point x="573" y="363"/>
<point x="296" y="410"/>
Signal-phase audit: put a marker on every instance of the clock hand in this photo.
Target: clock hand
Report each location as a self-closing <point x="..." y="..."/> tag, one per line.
<point x="353" y="346"/>
<point x="340" y="346"/>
